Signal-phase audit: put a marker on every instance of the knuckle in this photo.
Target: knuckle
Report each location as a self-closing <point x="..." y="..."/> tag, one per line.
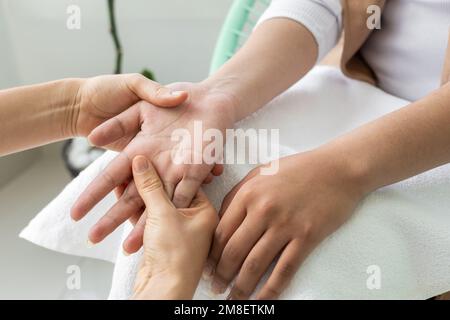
<point x="111" y="219"/>
<point x="120" y="125"/>
<point x="252" y="266"/>
<point x="238" y="293"/>
<point x="109" y="179"/>
<point x="134" y="79"/>
<point x="271" y="293"/>
<point x="159" y="90"/>
<point x="247" y="192"/>
<point x="306" y="232"/>
<point x="267" y="205"/>
<point x="286" y="270"/>
<point x="231" y="253"/>
<point x="264" y="209"/>
<point x="133" y="201"/>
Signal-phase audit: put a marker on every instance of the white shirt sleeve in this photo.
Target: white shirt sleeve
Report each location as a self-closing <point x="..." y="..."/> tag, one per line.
<point x="322" y="17"/>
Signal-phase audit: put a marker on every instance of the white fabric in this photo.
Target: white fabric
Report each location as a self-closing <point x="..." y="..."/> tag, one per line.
<point x="403" y="229"/>
<point x="407" y="54"/>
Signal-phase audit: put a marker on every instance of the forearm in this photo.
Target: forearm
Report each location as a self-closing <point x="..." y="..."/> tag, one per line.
<point x="399" y="145"/>
<point x="278" y="53"/>
<point x="34" y="115"/>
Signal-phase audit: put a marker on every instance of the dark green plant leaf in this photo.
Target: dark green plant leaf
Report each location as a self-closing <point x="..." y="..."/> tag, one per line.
<point x="148" y="74"/>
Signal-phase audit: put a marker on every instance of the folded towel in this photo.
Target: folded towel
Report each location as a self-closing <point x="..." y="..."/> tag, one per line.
<point x="394" y="247"/>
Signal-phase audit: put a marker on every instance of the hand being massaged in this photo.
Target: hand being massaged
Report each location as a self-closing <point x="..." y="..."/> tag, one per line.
<point x="147" y="130"/>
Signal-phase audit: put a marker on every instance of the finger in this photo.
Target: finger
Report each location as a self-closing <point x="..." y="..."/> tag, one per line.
<point x="125" y="124"/>
<point x="135" y="239"/>
<point x="208" y="179"/>
<point x="169" y="187"/>
<point x="217" y="170"/>
<point x="230" y="196"/>
<point x="155" y="93"/>
<point x="228" y="224"/>
<point x="284" y="271"/>
<point x="200" y="199"/>
<point x="117" y="171"/>
<point x="129" y="204"/>
<point x="256" y="264"/>
<point x="185" y="191"/>
<point x="118" y="191"/>
<point x="135" y="217"/>
<point x="149" y="185"/>
<point x="235" y="252"/>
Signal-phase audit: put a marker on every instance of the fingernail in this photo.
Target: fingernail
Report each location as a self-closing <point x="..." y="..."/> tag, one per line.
<point x="89" y="243"/>
<point x="177" y="93"/>
<point x="140" y="164"/>
<point x="125" y="253"/>
<point x="218" y="287"/>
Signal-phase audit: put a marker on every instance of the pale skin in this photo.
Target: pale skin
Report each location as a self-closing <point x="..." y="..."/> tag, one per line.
<point x="257" y="225"/>
<point x="176" y="241"/>
<point x="219" y="101"/>
<point x="39" y="114"/>
<point x="35" y="115"/>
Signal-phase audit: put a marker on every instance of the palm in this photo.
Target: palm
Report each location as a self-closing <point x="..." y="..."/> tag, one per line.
<point x="148" y="130"/>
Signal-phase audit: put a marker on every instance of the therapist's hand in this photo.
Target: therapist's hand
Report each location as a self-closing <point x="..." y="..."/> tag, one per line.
<point x="176" y="241"/>
<point x="101" y="98"/>
<point x="286" y="214"/>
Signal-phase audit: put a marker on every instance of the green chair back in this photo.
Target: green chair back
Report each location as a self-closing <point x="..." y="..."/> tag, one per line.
<point x="240" y="21"/>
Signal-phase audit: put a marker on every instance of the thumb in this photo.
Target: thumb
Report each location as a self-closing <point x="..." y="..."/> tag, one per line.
<point x="156" y="93"/>
<point x="149" y="185"/>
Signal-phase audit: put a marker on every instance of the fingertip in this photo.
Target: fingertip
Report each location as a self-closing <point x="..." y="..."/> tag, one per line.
<point x="107" y="133"/>
<point x="140" y="164"/>
<point x="96" y="234"/>
<point x="132" y="244"/>
<point x="76" y="212"/>
<point x="217" y="170"/>
<point x="173" y="98"/>
<point x="95" y="138"/>
<point x="179" y="94"/>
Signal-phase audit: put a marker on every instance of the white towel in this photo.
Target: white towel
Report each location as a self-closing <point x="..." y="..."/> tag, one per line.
<point x="396" y="246"/>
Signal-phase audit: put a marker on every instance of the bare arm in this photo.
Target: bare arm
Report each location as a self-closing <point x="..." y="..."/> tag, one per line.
<point x="34" y="115"/>
<point x="314" y="193"/>
<point x="277" y="54"/>
<point x="401" y="144"/>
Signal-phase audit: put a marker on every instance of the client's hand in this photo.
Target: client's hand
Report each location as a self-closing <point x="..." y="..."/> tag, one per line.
<point x="149" y="131"/>
<point x="101" y="98"/>
<point x="176" y="241"/>
<point x="285" y="214"/>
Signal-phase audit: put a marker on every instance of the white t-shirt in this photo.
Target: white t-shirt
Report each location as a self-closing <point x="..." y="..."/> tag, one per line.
<point x="408" y="52"/>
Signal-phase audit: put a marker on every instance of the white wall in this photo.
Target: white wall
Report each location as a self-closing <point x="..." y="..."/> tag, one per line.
<point x="175" y="38"/>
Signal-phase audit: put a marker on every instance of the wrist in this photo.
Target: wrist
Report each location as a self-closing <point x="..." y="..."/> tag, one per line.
<point x="168" y="285"/>
<point x="69" y="100"/>
<point x="226" y="88"/>
<point x="352" y="171"/>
